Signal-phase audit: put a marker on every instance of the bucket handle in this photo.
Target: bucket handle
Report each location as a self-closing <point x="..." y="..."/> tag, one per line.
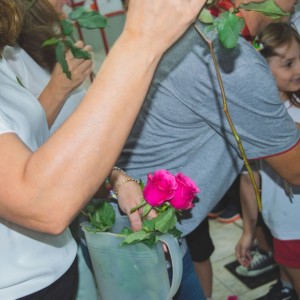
<point x="176" y="259"/>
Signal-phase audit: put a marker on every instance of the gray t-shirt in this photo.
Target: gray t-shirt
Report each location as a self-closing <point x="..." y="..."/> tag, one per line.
<point x="182" y="126"/>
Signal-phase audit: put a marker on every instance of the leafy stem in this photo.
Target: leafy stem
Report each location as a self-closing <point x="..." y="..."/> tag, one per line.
<point x="85" y="19"/>
<point x="227" y="114"/>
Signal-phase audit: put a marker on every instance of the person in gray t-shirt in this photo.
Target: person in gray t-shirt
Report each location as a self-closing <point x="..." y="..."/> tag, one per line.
<point x="182" y="126"/>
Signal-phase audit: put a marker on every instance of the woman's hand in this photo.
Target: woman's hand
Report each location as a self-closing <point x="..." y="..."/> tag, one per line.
<point x="60" y="86"/>
<point x="129" y="196"/>
<point x="80" y="69"/>
<point x="162" y="21"/>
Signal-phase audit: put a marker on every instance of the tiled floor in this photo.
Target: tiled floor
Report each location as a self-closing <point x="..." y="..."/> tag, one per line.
<point x="225" y="284"/>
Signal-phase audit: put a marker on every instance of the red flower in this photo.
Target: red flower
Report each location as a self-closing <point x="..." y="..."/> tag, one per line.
<point x="185" y="192"/>
<point x="160" y="187"/>
<point x="225" y="4"/>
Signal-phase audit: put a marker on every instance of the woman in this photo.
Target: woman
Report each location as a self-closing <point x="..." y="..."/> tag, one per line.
<point x="45" y="181"/>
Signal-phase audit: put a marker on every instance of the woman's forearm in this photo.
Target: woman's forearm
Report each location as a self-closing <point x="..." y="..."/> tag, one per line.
<point x="57" y="180"/>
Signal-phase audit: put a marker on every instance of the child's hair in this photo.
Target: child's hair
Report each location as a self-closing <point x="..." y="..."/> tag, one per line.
<point x="41" y="22"/>
<point x="276" y="35"/>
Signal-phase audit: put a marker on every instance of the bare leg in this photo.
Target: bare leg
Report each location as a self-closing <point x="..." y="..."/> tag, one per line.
<point x="204" y="272"/>
<point x="294" y="276"/>
<point x="261" y="239"/>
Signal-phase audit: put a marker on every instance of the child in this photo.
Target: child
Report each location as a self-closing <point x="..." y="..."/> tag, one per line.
<point x="280" y="45"/>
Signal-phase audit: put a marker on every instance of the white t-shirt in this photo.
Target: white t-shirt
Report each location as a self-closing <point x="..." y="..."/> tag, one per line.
<point x="35" y="79"/>
<point x="29" y="260"/>
<point x="280" y="209"/>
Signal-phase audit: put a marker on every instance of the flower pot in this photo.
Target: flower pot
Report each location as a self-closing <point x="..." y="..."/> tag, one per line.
<point x="133" y="271"/>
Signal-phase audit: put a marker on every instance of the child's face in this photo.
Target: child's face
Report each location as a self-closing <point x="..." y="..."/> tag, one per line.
<point x="285" y="67"/>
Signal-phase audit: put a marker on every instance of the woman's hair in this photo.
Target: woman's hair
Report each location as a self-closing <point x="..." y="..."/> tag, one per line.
<point x="12" y="13"/>
<point x="41" y="22"/>
<point x="276" y="35"/>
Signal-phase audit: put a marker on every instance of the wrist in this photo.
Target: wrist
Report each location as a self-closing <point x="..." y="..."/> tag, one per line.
<point x="141" y="46"/>
<point x="117" y="179"/>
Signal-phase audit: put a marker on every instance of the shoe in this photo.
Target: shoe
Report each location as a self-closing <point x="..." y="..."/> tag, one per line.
<point x="228" y="216"/>
<point x="278" y="292"/>
<point x="260" y="264"/>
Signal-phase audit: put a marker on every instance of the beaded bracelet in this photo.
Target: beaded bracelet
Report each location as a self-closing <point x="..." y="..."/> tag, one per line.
<point x="123" y="182"/>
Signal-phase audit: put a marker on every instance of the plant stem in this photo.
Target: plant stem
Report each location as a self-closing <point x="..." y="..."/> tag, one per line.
<point x="84" y="213"/>
<point x="140" y="205"/>
<point x="225" y="109"/>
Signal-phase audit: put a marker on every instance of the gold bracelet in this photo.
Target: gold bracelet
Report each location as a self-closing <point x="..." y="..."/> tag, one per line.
<point x="123" y="182"/>
<point x="118" y="169"/>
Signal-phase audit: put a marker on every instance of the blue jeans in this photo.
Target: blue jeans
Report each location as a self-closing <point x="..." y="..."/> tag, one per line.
<point x="190" y="288"/>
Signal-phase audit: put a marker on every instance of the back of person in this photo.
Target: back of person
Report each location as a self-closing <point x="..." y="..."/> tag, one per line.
<point x="182" y="125"/>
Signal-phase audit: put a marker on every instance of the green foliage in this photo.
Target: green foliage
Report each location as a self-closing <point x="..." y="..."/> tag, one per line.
<point x="267" y="7"/>
<point x="61" y="59"/>
<point x="229" y="27"/>
<point x="164" y="222"/>
<point x="66" y="27"/>
<point x="101" y="216"/>
<point x="86" y="19"/>
<point x="205" y="16"/>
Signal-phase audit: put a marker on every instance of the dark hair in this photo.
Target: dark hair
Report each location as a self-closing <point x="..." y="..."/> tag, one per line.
<point x="276" y="35"/>
<point x="12" y="13"/>
<point x="41" y="22"/>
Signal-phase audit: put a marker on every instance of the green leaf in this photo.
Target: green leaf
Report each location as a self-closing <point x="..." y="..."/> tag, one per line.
<point x="149" y="225"/>
<point x="78" y="53"/>
<point x="205" y="16"/>
<point x="76" y="13"/>
<point x="50" y="42"/>
<point x="136" y="237"/>
<point x="267" y="7"/>
<point x="229" y="27"/>
<point x="175" y="232"/>
<point x="151" y="240"/>
<point x="88" y="19"/>
<point x="61" y="59"/>
<point x="166" y="220"/>
<point x="126" y="231"/>
<point x="67" y="27"/>
<point x="103" y="218"/>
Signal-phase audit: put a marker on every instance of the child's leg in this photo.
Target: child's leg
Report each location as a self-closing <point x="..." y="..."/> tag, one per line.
<point x="287" y="255"/>
<point x="294" y="276"/>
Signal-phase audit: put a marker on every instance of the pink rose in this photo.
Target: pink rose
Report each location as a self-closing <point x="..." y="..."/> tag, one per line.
<point x="185" y="193"/>
<point x="160" y="187"/>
